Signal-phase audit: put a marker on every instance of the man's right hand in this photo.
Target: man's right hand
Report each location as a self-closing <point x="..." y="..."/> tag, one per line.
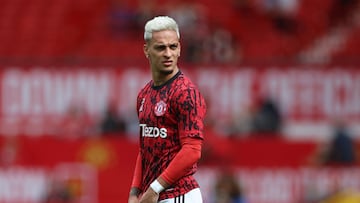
<point x="150" y="196"/>
<point x="133" y="199"/>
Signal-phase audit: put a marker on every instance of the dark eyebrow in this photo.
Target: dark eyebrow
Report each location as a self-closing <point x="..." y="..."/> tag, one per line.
<point x="174" y="44"/>
<point x="163" y="46"/>
<point x="160" y="46"/>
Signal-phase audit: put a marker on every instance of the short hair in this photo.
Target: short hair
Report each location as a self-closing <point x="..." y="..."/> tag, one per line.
<point x="160" y="23"/>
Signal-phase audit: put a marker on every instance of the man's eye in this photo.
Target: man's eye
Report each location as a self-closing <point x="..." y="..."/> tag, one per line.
<point x="160" y="47"/>
<point x="173" y="47"/>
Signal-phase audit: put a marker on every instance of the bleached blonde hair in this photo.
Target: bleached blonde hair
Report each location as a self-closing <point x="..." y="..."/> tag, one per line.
<point x="160" y="23"/>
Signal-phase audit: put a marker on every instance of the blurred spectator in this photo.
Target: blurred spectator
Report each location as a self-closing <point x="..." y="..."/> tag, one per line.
<point x="341" y="150"/>
<point x="282" y="13"/>
<point x="192" y="19"/>
<point x="263" y="118"/>
<point x="228" y="189"/>
<point x="341" y="10"/>
<point x="189" y="15"/>
<point x="221" y="47"/>
<point x="121" y="19"/>
<point x="146" y="9"/>
<point x="267" y="118"/>
<point x="111" y="123"/>
<point x="240" y="125"/>
<point x="58" y="192"/>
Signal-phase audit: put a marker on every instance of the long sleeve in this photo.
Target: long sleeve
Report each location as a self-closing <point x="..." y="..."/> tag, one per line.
<point x="136" y="181"/>
<point x="189" y="154"/>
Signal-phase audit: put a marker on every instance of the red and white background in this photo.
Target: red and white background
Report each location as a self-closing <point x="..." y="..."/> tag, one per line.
<point x="34" y="99"/>
<point x="35" y="102"/>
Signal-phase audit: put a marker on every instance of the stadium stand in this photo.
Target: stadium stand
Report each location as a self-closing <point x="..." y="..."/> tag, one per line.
<point x="65" y="30"/>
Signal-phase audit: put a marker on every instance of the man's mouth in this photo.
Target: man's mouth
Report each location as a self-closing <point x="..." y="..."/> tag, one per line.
<point x="167" y="63"/>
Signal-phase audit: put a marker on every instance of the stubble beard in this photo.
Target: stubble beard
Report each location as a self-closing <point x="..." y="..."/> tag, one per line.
<point x="166" y="72"/>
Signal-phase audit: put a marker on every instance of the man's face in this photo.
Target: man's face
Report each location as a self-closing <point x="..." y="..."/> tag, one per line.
<point x="163" y="51"/>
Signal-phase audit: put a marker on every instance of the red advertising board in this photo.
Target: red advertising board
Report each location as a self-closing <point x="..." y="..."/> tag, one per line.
<point x="99" y="170"/>
<point x="37" y="100"/>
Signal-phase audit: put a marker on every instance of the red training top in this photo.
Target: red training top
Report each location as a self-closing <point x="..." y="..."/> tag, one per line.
<point x="171" y="133"/>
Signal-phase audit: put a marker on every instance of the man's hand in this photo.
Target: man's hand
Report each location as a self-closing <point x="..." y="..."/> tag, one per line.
<point x="133" y="199"/>
<point x="133" y="196"/>
<point x="150" y="196"/>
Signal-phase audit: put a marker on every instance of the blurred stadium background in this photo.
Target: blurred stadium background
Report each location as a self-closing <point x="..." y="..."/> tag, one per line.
<point x="281" y="78"/>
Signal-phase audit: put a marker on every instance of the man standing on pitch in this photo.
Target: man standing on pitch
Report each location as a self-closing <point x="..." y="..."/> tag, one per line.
<point x="171" y="114"/>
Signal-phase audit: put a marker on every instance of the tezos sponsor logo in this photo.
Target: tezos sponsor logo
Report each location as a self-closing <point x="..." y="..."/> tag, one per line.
<point x="149" y="131"/>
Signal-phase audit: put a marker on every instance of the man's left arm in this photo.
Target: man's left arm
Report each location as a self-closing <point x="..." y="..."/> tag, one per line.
<point x="189" y="154"/>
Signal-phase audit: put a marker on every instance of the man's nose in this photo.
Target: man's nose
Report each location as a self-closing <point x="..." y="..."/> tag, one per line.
<point x="167" y="52"/>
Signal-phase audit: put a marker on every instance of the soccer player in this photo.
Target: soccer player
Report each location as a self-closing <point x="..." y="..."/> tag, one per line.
<point x="171" y="114"/>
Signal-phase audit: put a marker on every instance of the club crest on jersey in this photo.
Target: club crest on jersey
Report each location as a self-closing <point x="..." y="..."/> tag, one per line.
<point x="160" y="108"/>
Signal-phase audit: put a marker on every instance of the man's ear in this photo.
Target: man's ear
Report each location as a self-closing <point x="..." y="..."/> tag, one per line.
<point x="145" y="49"/>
